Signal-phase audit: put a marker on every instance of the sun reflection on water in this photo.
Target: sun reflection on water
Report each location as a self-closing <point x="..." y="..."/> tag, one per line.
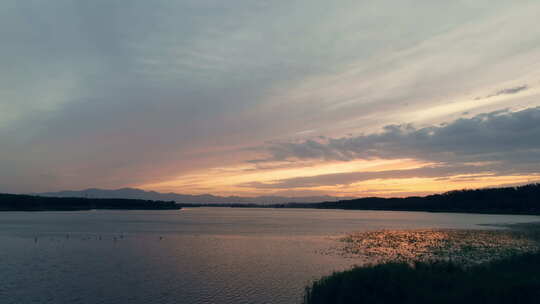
<point x="463" y="246"/>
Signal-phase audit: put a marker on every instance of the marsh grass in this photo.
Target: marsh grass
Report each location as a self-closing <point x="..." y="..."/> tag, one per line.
<point x="513" y="279"/>
<point x="436" y="266"/>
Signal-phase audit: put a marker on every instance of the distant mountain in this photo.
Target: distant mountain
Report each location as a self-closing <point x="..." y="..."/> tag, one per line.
<point x="132" y="193"/>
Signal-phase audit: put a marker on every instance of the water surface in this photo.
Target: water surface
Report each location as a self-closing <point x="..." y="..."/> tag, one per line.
<point x="198" y="255"/>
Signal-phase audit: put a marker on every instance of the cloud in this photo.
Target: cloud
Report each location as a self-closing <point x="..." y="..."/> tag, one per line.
<point x="510" y="139"/>
<point x="513" y="90"/>
<point x="110" y="93"/>
<point x="508" y="91"/>
<point x="340" y="179"/>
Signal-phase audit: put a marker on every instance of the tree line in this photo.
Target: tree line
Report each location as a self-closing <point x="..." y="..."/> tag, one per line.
<point x="519" y="200"/>
<point x="15" y="202"/>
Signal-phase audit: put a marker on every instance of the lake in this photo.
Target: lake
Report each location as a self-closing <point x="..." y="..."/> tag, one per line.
<point x="195" y="255"/>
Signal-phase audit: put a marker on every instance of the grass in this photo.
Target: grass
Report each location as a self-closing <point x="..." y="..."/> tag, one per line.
<point x="513" y="279"/>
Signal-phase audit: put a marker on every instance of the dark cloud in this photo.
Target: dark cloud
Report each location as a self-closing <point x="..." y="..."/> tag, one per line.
<point x="512" y="90"/>
<point x="509" y="139"/>
<point x="508" y="91"/>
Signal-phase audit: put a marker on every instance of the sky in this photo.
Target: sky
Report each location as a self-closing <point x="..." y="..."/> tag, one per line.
<point x="253" y="97"/>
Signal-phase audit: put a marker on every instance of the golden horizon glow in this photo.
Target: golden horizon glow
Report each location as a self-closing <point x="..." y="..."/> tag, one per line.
<point x="235" y="180"/>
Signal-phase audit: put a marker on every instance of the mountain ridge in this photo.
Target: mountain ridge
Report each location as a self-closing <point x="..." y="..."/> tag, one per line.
<point x="135" y="193"/>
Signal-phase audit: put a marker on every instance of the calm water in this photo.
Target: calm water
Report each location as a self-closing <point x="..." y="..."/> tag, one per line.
<point x="200" y="255"/>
